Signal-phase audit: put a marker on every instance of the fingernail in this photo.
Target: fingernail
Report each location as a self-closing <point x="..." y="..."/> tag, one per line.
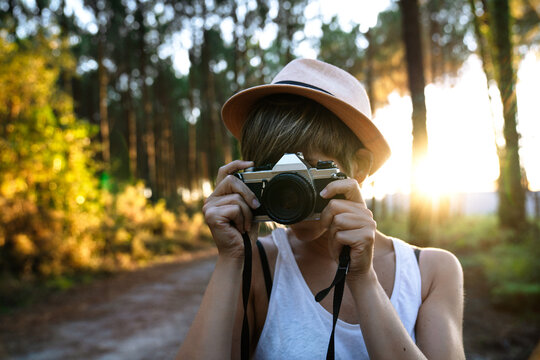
<point x="256" y="203"/>
<point x="323" y="193"/>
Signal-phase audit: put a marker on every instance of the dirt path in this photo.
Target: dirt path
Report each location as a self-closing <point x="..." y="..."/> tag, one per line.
<point x="145" y="314"/>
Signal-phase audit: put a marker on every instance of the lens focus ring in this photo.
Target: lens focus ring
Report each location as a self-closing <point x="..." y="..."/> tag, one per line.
<point x="289" y="198"/>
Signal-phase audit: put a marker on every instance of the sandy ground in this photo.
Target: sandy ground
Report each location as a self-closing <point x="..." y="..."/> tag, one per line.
<point x="145" y="314"/>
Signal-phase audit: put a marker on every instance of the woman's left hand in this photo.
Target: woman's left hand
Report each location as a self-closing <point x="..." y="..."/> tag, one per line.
<point x="349" y="222"/>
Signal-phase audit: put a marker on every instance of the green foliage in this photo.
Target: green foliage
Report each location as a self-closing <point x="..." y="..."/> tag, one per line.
<point x="48" y="192"/>
<point x="135" y="230"/>
<point x="340" y="48"/>
<point x="512" y="270"/>
<point x="56" y="224"/>
<point x="131" y="232"/>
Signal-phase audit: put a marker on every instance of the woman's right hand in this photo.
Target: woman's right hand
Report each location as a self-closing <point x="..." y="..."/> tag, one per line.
<point x="227" y="211"/>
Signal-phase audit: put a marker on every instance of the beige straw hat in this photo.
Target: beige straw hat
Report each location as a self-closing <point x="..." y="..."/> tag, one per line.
<point x="330" y="86"/>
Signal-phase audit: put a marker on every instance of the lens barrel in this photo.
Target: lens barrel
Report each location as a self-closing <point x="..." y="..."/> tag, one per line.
<point x="289" y="198"/>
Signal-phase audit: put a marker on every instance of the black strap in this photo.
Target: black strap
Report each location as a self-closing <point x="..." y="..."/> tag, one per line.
<point x="246" y="286"/>
<point x="417" y="254"/>
<point x="266" y="269"/>
<point x="339" y="283"/>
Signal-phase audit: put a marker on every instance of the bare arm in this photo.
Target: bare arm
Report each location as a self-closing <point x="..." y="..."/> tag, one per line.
<point x="384" y="334"/>
<point x="439" y="319"/>
<point x="228" y="215"/>
<point x="439" y="324"/>
<point x="207" y="338"/>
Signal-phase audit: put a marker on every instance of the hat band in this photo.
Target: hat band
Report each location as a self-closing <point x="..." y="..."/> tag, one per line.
<point x="298" y="83"/>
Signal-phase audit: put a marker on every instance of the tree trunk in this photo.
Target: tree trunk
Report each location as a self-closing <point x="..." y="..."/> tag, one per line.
<point x="487" y="65"/>
<point x="132" y="134"/>
<point x="148" y="120"/>
<point x="236" y="53"/>
<point x="193" y="175"/>
<point x="167" y="148"/>
<point x="284" y="32"/>
<point x="103" y="113"/>
<point x="511" y="192"/>
<point x="211" y="115"/>
<point x="420" y="207"/>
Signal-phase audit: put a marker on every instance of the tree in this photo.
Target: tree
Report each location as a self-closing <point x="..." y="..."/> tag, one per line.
<point x="420" y="209"/>
<point x="511" y="191"/>
<point x="49" y="197"/>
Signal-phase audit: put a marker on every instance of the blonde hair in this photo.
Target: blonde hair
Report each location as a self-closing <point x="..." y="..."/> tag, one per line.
<point x="287" y="123"/>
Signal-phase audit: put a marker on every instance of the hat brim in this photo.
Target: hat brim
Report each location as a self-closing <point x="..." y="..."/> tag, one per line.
<point x="237" y="108"/>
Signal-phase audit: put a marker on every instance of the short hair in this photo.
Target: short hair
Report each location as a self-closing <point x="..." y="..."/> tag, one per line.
<point x="286" y="123"/>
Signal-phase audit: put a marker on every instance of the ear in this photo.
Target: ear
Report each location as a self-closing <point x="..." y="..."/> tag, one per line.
<point x="362" y="164"/>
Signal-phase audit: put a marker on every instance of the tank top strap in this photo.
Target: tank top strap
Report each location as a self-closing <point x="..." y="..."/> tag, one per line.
<point x="407" y="292"/>
<point x="279" y="236"/>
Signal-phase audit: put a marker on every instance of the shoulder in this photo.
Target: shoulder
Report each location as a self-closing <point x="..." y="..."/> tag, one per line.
<point x="270" y="249"/>
<point x="270" y="252"/>
<point x="440" y="262"/>
<point x="439" y="326"/>
<point x="439" y="269"/>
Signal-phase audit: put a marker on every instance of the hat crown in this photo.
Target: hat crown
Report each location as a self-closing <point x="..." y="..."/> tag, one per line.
<point x="328" y="78"/>
<point x="335" y="89"/>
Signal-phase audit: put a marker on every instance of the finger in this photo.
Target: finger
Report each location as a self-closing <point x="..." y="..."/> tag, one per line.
<point x="232" y="184"/>
<point x="231" y="168"/>
<point x="226" y="214"/>
<point x="360" y="239"/>
<point x="234" y="199"/>
<point x="338" y="206"/>
<point x="347" y="187"/>
<point x="349" y="221"/>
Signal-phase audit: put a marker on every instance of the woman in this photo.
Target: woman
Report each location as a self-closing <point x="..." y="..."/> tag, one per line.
<point x="395" y="305"/>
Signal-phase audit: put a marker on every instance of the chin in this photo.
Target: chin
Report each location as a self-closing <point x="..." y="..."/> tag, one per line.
<point x="307" y="230"/>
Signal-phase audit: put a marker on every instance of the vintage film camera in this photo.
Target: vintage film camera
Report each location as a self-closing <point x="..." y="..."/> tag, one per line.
<point x="289" y="190"/>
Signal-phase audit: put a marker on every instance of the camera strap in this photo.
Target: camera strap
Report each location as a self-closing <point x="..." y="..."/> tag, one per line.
<point x="246" y="286"/>
<point x="339" y="283"/>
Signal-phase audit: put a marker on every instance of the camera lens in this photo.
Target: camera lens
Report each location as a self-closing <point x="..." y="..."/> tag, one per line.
<point x="288" y="198"/>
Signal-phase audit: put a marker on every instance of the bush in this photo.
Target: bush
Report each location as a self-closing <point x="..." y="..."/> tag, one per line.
<point x="513" y="272"/>
<point x="511" y="267"/>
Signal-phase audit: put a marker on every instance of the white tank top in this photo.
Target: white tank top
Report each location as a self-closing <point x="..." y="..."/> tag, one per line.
<point x="297" y="327"/>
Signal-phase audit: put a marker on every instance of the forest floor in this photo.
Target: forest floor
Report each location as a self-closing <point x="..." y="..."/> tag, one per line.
<point x="146" y="313"/>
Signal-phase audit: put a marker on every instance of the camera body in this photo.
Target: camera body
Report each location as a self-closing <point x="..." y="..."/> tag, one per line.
<point x="289" y="190"/>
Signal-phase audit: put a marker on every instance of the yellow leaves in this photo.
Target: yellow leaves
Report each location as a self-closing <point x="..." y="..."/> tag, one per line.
<point x="28" y="75"/>
<point x="12" y="186"/>
<point x="138" y="249"/>
<point x="131" y="203"/>
<point x="122" y="236"/>
<point x="82" y="252"/>
<point x="23" y="245"/>
<point x="57" y="164"/>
